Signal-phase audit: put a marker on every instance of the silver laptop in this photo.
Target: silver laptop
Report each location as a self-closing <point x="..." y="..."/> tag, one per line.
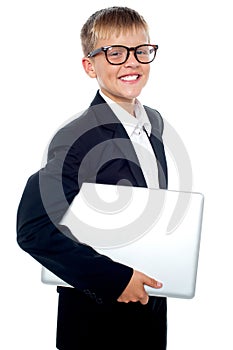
<point x="155" y="231"/>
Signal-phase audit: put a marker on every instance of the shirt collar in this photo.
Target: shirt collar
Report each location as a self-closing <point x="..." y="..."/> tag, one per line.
<point x="129" y="122"/>
<point x="142" y="117"/>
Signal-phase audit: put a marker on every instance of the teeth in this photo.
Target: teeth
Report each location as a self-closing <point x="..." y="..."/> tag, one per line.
<point x="130" y="77"/>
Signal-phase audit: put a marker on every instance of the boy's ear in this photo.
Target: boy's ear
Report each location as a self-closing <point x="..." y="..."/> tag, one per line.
<point x="89" y="67"/>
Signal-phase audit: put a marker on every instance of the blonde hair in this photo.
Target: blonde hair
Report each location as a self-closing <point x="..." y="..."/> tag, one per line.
<point x="102" y="23"/>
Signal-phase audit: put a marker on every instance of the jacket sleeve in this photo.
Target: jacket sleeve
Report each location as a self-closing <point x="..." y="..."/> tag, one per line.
<point x="45" y="199"/>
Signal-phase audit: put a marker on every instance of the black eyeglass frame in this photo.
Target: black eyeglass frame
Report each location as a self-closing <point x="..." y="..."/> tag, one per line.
<point x="105" y="49"/>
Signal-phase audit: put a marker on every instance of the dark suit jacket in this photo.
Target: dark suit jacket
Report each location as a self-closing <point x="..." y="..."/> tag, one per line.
<point x="92" y="148"/>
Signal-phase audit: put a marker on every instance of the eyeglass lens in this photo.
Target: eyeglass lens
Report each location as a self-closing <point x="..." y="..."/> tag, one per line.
<point x="118" y="54"/>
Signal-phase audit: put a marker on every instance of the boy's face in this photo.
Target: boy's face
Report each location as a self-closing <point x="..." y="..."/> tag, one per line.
<point x="122" y="83"/>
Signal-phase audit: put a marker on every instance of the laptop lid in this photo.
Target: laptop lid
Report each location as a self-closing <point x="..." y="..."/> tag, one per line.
<point x="155" y="231"/>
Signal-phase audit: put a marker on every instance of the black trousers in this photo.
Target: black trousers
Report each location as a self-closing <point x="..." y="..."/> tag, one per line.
<point x="84" y="324"/>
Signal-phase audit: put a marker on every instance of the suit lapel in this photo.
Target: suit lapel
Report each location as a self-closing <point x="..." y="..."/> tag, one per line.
<point x="108" y="121"/>
<point x="158" y="146"/>
<point x="124" y="144"/>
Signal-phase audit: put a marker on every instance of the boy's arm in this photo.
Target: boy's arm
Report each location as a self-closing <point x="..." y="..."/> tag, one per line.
<point x="41" y="207"/>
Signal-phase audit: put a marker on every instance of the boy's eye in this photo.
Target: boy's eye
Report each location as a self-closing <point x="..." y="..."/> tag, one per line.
<point x="115" y="53"/>
<point x="143" y="52"/>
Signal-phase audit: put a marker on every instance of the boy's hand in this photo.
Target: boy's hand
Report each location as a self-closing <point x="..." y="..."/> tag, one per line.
<point x="135" y="290"/>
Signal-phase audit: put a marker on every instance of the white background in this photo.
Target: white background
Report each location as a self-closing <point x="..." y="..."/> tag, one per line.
<point x="43" y="84"/>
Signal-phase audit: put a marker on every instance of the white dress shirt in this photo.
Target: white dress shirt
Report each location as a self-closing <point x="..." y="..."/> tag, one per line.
<point x="138" y="129"/>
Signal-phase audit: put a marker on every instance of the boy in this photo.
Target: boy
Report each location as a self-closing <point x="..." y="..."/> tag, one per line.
<point x="108" y="305"/>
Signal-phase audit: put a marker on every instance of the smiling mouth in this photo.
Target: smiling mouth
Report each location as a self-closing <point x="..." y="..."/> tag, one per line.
<point x="130" y="77"/>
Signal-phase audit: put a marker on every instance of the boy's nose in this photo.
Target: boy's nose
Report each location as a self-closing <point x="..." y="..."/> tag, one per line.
<point x="132" y="61"/>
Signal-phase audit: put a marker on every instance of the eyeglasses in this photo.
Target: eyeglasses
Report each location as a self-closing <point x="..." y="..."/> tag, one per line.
<point x="118" y="54"/>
